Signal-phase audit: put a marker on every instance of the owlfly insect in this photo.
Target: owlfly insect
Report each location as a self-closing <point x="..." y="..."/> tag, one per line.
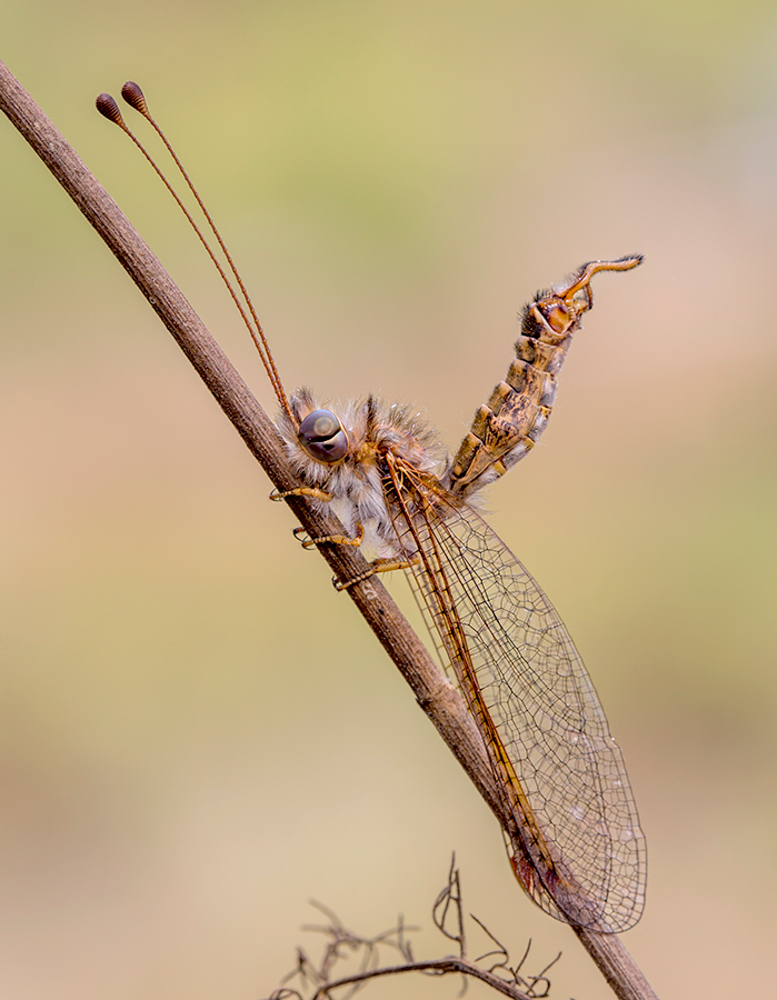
<point x="575" y="845"/>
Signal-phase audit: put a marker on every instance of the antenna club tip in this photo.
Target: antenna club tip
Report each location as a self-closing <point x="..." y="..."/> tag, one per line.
<point x="109" y="109"/>
<point x="133" y="95"/>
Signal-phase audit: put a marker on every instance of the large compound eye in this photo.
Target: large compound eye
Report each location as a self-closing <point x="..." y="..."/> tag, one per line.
<point x="322" y="437"/>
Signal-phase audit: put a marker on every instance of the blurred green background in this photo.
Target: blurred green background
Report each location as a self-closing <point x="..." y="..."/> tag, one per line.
<point x="197" y="733"/>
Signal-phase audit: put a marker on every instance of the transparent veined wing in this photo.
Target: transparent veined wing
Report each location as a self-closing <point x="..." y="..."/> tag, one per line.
<point x="581" y="853"/>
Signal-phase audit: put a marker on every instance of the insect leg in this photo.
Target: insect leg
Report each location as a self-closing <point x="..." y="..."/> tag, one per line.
<point x="311" y="543"/>
<point x="376" y="566"/>
<point x="302" y="491"/>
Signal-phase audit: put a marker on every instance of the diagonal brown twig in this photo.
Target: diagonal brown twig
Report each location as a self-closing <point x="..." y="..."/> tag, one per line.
<point x="436" y="696"/>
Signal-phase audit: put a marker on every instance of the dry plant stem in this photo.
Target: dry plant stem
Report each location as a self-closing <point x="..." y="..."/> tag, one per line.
<point x="448" y="917"/>
<point x="435" y="694"/>
<point x="440" y="966"/>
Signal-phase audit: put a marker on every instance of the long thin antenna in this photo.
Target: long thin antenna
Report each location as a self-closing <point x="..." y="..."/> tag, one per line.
<point x="133" y="95"/>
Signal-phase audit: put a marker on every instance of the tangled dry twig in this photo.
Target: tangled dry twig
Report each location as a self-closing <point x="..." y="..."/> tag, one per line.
<point x="317" y="981"/>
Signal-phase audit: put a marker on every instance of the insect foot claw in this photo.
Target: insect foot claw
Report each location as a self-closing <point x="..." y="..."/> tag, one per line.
<point x="302" y="536"/>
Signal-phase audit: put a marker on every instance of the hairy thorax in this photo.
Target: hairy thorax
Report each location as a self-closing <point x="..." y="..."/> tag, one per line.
<point x="360" y="486"/>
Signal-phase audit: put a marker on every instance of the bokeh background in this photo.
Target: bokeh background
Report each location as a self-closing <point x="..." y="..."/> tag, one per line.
<point x="198" y="735"/>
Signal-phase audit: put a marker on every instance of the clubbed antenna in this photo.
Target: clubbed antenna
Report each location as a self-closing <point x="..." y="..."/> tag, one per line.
<point x="133" y="95"/>
<point x="109" y="109"/>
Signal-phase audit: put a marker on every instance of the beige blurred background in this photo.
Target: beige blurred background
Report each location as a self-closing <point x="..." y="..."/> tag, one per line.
<point x="198" y="735"/>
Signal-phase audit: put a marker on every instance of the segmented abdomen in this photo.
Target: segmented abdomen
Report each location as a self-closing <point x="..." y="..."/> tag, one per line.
<point x="508" y="425"/>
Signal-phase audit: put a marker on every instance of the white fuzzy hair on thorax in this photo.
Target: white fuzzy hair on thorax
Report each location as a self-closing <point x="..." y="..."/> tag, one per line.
<point x="355" y="483"/>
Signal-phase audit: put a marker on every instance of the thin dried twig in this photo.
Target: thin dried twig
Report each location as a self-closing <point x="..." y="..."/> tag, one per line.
<point x="448" y="917"/>
<point x="436" y="696"/>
